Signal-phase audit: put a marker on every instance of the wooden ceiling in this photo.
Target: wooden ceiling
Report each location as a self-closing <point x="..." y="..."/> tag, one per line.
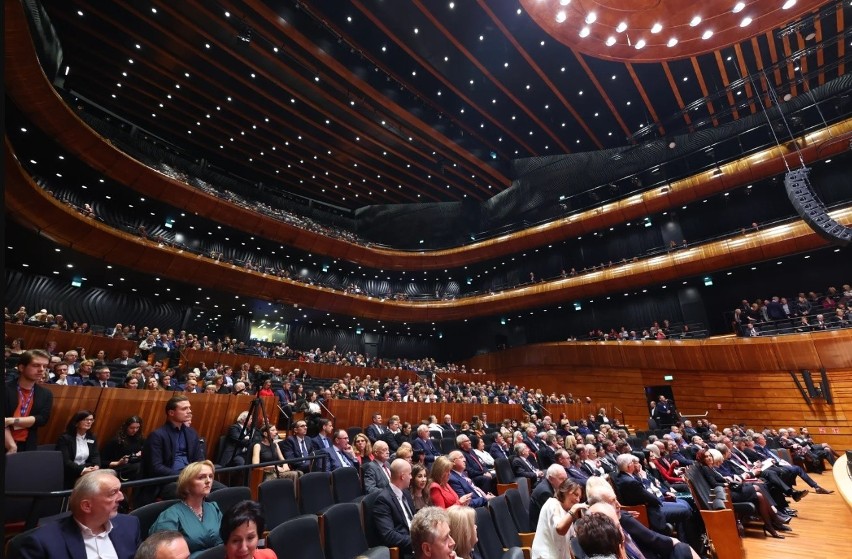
<point x="385" y="102"/>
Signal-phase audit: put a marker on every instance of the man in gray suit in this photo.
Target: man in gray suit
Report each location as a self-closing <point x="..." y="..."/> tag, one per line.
<point x="377" y="472"/>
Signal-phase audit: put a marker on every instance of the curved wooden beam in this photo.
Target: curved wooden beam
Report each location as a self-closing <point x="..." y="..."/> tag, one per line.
<point x="28" y="204"/>
<point x="32" y="92"/>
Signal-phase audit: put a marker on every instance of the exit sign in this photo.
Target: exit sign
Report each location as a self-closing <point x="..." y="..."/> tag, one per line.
<point x="668" y="377"/>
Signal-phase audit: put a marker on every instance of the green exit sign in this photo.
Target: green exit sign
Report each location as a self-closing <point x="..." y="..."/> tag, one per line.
<point x="668" y="377"/>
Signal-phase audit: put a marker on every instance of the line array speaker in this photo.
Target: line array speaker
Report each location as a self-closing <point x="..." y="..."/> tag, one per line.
<point x="811" y="209"/>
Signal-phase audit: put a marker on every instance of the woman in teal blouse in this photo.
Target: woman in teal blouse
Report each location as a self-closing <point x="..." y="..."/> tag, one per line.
<point x="195" y="518"/>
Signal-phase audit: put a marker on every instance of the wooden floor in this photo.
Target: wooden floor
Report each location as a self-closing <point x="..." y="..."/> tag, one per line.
<point x="823" y="529"/>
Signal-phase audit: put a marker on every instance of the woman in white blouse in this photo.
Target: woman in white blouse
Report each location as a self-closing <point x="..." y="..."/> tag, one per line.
<point x="557" y="515"/>
<point x="78" y="446"/>
<point x="482" y="454"/>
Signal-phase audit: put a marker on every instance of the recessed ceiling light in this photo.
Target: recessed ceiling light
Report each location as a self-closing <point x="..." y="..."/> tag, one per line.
<point x="672" y="42"/>
<point x="746" y="20"/>
<point x="591" y="17"/>
<point x="621" y="27"/>
<point x="707" y="34"/>
<point x="584" y="32"/>
<point x="561" y="16"/>
<point x="695" y="21"/>
<point x="640" y="43"/>
<point x="788" y="4"/>
<point x="657" y="28"/>
<point x="739" y="7"/>
<point x="610" y="41"/>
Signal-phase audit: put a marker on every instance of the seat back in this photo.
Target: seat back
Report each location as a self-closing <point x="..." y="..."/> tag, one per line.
<point x="367" y="505"/>
<point x="346" y="485"/>
<point x="228" y="497"/>
<point x="448" y="444"/>
<point x="353" y="431"/>
<point x="520" y="515"/>
<point x="220" y="449"/>
<point x="148" y="514"/>
<point x="278" y="498"/>
<point x="525" y="490"/>
<point x="504" y="471"/>
<point x="488" y="542"/>
<point x="344" y="536"/>
<point x="13" y="546"/>
<point x="297" y="537"/>
<point x="37" y="470"/>
<point x="315" y="492"/>
<point x="502" y="518"/>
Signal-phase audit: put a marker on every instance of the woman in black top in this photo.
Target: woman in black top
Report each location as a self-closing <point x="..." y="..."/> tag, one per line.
<point x="79" y="448"/>
<point x="124" y="452"/>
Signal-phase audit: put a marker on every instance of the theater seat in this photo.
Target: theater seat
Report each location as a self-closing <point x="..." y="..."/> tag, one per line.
<point x="298" y="537"/>
<point x="344" y="534"/>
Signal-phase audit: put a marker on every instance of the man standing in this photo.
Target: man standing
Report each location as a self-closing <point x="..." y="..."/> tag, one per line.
<point x="29" y="403"/>
<point x="430" y="534"/>
<point x="377" y="473"/>
<point x="94" y="529"/>
<point x="393" y="511"/>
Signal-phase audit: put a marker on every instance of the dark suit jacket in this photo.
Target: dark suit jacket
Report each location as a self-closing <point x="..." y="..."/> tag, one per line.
<point x="374" y="478"/>
<point x="461" y="486"/>
<point x="96" y="382"/>
<point x="233" y="445"/>
<point x="334" y="460"/>
<point x="428" y="447"/>
<point x="631" y="492"/>
<point x="497" y="451"/>
<point x="67" y="444"/>
<point x="650" y="543"/>
<point x="390" y="522"/>
<point x="373" y="433"/>
<point x="525" y="468"/>
<point x="533" y="445"/>
<point x="546" y="456"/>
<point x="291" y="449"/>
<point x="62" y="539"/>
<point x="159" y="453"/>
<point x="473" y="465"/>
<point x="39" y="408"/>
<point x="542" y="492"/>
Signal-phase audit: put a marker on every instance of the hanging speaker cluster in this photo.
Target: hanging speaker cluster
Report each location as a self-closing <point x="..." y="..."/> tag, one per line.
<point x="812" y="210"/>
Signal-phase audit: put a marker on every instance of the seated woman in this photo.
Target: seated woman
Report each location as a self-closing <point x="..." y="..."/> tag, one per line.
<point x="242" y="527"/>
<point x="363" y="449"/>
<point x="440" y="492"/>
<point x="267" y="450"/>
<point x="418" y="487"/>
<point x="556" y="517"/>
<point x="667" y="469"/>
<point x="124" y="452"/>
<point x="463" y="530"/>
<point x="198" y="520"/>
<point x="772" y="522"/>
<point x="79" y="448"/>
<point x="483" y="455"/>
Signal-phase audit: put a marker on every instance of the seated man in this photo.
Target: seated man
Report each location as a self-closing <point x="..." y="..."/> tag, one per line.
<point x="340" y="455"/>
<point x="482" y="476"/>
<point x="424" y="444"/>
<point x="430" y="534"/>
<point x="94" y="528"/>
<point x="632" y="492"/>
<point x="167" y="544"/>
<point x="393" y="510"/>
<point x="377" y="473"/>
<point x="300" y="446"/>
<point x="462" y="484"/>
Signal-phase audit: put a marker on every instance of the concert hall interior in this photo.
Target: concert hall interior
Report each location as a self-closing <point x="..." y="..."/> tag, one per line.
<point x="593" y="202"/>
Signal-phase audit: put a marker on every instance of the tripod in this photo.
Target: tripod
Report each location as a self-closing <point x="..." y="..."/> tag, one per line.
<point x="256" y="416"/>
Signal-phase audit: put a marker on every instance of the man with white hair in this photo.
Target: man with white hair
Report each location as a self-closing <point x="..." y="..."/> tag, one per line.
<point x="237" y="442"/>
<point x="651" y="544"/>
<point x="553" y="478"/>
<point x="94" y="529"/>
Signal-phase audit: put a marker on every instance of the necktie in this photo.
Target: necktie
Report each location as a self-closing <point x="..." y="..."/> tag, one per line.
<point x="343" y="460"/>
<point x="386" y="469"/>
<point x="406" y="510"/>
<point x="631" y="548"/>
<point x="476" y="460"/>
<point x="476" y="489"/>
<point x="103" y="384"/>
<point x="304" y="448"/>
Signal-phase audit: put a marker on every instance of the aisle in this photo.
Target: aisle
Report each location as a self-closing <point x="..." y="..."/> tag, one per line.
<point x="822" y="530"/>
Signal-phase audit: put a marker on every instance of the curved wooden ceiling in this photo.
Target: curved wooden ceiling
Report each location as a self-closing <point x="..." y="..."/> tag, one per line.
<point x="373" y="102"/>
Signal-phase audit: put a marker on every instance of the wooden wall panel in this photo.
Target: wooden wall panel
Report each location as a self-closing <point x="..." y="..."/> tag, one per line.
<point x="212" y="414"/>
<point x="37" y="338"/>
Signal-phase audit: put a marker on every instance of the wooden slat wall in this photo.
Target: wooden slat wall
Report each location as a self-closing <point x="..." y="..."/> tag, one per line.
<point x="735" y="380"/>
<point x="37" y="338"/>
<point x="211" y="413"/>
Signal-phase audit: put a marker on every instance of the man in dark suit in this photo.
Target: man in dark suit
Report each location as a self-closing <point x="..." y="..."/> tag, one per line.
<point x="125" y="360"/>
<point x="547" y="451"/>
<point x="462" y="484"/>
<point x="377" y="472"/>
<point x="524" y="466"/>
<point x="324" y="439"/>
<point x="101" y="378"/>
<point x="300" y="446"/>
<point x="531" y="440"/>
<point x="94" y="515"/>
<point x="424" y="444"/>
<point x="236" y="448"/>
<point x="553" y="478"/>
<point x="169" y="449"/>
<point x="340" y="455"/>
<point x="448" y="424"/>
<point x="393" y="509"/>
<point x="499" y="448"/>
<point x="375" y="430"/>
<point x="481" y="475"/>
<point x="27" y="404"/>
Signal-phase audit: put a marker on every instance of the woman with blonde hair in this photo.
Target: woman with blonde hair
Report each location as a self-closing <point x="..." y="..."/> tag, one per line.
<point x="362" y="449"/>
<point x="194" y="517"/>
<point x="463" y="530"/>
<point x="440" y="492"/>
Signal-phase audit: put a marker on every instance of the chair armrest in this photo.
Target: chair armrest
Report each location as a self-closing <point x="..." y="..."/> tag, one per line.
<point x="526" y="538"/>
<point x="503" y="487"/>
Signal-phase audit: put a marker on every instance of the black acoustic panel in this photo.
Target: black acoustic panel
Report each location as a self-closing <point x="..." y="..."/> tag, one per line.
<point x="808" y="205"/>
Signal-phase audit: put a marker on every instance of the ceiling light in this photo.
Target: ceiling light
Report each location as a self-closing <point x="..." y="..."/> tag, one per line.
<point x="672" y="42"/>
<point x="564" y="2"/>
<point x="640" y="43"/>
<point x="739" y="7"/>
<point x="695" y="21"/>
<point x="788" y="4"/>
<point x="610" y="41"/>
<point x="591" y="17"/>
<point x="657" y="28"/>
<point x="621" y="27"/>
<point x="746" y="20"/>
<point x="561" y="16"/>
<point x="707" y="34"/>
<point x="584" y="32"/>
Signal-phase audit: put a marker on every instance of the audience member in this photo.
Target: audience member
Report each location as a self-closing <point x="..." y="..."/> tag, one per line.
<point x="29" y="403"/>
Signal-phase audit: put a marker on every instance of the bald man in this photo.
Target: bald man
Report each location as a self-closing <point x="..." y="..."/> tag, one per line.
<point x="393" y="510"/>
